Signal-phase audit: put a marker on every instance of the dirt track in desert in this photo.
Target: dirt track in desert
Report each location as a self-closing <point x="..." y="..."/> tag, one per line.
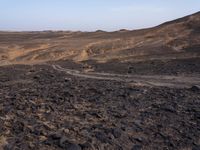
<point x="142" y="80"/>
<point x="122" y="90"/>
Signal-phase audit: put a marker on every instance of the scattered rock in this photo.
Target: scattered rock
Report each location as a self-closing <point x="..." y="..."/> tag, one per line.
<point x="137" y="147"/>
<point x="62" y="141"/>
<point x="72" y="146"/>
<point x="116" y="132"/>
<point x="196" y="147"/>
<point x="66" y="144"/>
<point x="36" y="77"/>
<point x="3" y="142"/>
<point x="32" y="70"/>
<point x="18" y="127"/>
<point x="68" y="79"/>
<point x="195" y="88"/>
<point x="101" y="136"/>
<point x="139" y="139"/>
<point x="169" y="108"/>
<point x="52" y="114"/>
<point x="87" y="145"/>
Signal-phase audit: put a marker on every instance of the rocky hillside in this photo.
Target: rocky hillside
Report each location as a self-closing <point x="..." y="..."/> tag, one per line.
<point x="176" y="39"/>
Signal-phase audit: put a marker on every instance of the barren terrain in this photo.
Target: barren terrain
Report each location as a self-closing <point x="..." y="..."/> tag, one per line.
<point x="102" y="90"/>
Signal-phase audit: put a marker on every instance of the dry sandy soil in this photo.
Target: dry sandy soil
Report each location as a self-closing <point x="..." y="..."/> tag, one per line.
<point x="123" y="90"/>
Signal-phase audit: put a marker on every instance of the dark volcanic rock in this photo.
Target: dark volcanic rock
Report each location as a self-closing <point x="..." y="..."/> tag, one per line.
<point x="137" y="147"/>
<point x="64" y="143"/>
<point x="116" y="132"/>
<point x="49" y="113"/>
<point x="136" y="98"/>
<point x="195" y="88"/>
<point x="101" y="136"/>
<point x="196" y="148"/>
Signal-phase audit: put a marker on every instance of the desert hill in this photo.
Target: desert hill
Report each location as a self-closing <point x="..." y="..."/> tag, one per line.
<point x="122" y="90"/>
<point x="176" y="39"/>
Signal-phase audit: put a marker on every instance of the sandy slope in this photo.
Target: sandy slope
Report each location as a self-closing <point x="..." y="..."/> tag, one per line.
<point x="172" y="39"/>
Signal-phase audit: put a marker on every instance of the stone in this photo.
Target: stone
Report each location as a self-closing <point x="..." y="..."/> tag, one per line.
<point x="73" y="147"/>
<point x="196" y="147"/>
<point x="136" y="147"/>
<point x="36" y="77"/>
<point x="195" y="88"/>
<point x="116" y="132"/>
<point x="64" y="143"/>
<point x="102" y="137"/>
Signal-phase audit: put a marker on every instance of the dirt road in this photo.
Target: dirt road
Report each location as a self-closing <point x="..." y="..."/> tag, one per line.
<point x="142" y="80"/>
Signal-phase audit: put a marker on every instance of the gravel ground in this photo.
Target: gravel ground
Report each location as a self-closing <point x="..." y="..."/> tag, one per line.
<point x="41" y="108"/>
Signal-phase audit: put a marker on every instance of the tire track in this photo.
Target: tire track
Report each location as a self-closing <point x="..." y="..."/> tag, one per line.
<point x="142" y="80"/>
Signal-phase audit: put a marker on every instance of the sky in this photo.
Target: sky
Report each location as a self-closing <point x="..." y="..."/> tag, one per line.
<point x="90" y="15"/>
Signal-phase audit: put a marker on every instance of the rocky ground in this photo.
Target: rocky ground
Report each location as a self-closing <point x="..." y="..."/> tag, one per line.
<point x="185" y="66"/>
<point x="42" y="108"/>
<point x="122" y="90"/>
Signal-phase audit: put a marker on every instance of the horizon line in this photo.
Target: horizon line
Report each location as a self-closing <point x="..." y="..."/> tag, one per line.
<point x="97" y="30"/>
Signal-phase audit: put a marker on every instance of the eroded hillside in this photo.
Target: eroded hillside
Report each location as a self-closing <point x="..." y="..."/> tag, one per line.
<point x="180" y="37"/>
<point x="123" y="90"/>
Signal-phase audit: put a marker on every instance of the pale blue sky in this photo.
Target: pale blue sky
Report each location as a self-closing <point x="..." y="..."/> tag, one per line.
<point x="89" y="15"/>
